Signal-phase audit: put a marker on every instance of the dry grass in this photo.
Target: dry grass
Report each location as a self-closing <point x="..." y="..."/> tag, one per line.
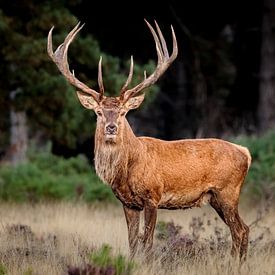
<point x="47" y="238"/>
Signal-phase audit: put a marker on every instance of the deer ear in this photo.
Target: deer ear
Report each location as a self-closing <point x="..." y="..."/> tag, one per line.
<point x="134" y="102"/>
<point x="87" y="101"/>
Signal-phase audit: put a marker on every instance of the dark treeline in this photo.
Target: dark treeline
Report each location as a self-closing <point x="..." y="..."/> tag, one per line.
<point x="221" y="84"/>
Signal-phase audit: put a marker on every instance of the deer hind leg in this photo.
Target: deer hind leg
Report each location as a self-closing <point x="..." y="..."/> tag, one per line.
<point x="245" y="234"/>
<point x="228" y="212"/>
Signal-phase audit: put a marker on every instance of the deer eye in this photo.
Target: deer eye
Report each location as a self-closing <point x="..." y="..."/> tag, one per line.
<point x="99" y="113"/>
<point x="123" y="113"/>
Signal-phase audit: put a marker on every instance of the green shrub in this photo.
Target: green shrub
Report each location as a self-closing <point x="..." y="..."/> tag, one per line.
<point x="261" y="176"/>
<point x="46" y="176"/>
<point x="104" y="258"/>
<point x="3" y="269"/>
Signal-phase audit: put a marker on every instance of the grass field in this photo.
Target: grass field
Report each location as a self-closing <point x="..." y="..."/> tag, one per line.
<point x="49" y="238"/>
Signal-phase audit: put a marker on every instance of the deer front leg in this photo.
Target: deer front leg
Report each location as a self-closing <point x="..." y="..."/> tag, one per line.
<point x="132" y="219"/>
<point x="150" y="217"/>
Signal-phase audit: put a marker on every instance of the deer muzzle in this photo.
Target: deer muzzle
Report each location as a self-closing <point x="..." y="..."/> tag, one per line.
<point x="111" y="131"/>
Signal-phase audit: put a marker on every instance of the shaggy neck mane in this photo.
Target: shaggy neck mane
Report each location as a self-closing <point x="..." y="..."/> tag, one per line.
<point x="112" y="161"/>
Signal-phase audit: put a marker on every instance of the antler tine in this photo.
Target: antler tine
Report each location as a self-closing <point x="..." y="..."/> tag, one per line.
<point x="50" y="43"/>
<point x="164" y="61"/>
<point x="100" y="79"/>
<point x="68" y="39"/>
<point x="60" y="58"/>
<point x="129" y="79"/>
<point x="175" y="45"/>
<point x="163" y="43"/>
<point x="157" y="42"/>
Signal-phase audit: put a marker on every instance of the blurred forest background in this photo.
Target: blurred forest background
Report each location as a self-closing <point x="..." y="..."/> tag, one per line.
<point x="221" y="85"/>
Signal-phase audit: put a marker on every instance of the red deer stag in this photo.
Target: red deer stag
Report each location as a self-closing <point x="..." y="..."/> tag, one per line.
<point x="147" y="173"/>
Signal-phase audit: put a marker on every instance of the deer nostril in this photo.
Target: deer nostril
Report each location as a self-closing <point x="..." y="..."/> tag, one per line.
<point x="111" y="129"/>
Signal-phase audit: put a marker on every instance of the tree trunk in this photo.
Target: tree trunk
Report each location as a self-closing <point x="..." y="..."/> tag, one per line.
<point x="16" y="153"/>
<point x="266" y="110"/>
<point x="18" y="136"/>
<point x="17" y="150"/>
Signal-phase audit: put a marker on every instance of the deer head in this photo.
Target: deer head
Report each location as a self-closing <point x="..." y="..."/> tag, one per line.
<point x="111" y="111"/>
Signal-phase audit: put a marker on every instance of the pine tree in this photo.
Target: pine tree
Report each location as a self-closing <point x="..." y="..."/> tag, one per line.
<point x="33" y="85"/>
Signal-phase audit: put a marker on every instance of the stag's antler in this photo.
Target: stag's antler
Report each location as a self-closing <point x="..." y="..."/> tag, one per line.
<point x="60" y="58"/>
<point x="164" y="61"/>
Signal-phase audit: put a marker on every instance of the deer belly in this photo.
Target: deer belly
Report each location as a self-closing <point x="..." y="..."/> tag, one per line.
<point x="181" y="201"/>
